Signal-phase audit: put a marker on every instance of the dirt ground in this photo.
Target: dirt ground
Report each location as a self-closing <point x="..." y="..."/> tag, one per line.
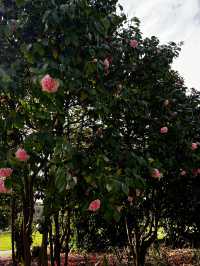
<point x="167" y="257"/>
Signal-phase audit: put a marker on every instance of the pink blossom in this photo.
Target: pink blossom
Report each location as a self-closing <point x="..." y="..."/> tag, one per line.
<point x="3" y="189"/>
<point x="106" y="64"/>
<point x="166" y="102"/>
<point x="194" y="146"/>
<point x="49" y="84"/>
<point x="94" y="205"/>
<point x="5" y="172"/>
<point x="196" y="172"/>
<point x="133" y="43"/>
<point x="22" y="155"/>
<point x="183" y="173"/>
<point x="130" y="199"/>
<point x="156" y="173"/>
<point x="164" y="130"/>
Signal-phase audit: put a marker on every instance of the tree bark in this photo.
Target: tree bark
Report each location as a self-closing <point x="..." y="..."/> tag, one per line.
<point x="13" y="218"/>
<point x="57" y="246"/>
<point x="44" y="256"/>
<point x="51" y="244"/>
<point x="28" y="208"/>
<point x="67" y="238"/>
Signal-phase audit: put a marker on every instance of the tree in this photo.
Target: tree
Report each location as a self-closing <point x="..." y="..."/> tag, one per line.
<point x="90" y="113"/>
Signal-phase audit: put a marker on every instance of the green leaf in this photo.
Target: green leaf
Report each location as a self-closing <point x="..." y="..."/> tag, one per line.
<point x="8" y="183"/>
<point x="125" y="188"/>
<point x="20" y="2"/>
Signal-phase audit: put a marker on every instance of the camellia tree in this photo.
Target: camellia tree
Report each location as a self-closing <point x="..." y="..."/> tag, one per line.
<point x="92" y="118"/>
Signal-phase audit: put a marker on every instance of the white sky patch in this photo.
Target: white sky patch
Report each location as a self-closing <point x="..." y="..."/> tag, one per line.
<point x="172" y="20"/>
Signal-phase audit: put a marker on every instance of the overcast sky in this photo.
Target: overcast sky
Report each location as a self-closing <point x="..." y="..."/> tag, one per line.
<point x="172" y="20"/>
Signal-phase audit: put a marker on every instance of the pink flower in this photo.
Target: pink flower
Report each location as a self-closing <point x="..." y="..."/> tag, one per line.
<point x="130" y="199"/>
<point x="166" y="102"/>
<point x="156" y="173"/>
<point x="5" y="172"/>
<point x="3" y="189"/>
<point x="22" y="155"/>
<point x="133" y="43"/>
<point x="194" y="146"/>
<point x="49" y="84"/>
<point x="164" y="130"/>
<point x="106" y="64"/>
<point x="94" y="205"/>
<point x="195" y="172"/>
<point x="183" y="173"/>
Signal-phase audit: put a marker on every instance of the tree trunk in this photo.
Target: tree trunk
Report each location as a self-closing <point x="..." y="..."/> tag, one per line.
<point x="140" y="257"/>
<point x="67" y="238"/>
<point x="57" y="246"/>
<point x="13" y="218"/>
<point x="51" y="244"/>
<point x="19" y="242"/>
<point x="28" y="208"/>
<point x="44" y="256"/>
<point x="27" y="247"/>
<point x="137" y="250"/>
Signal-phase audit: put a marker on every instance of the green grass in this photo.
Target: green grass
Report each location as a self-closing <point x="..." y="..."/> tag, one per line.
<point x="5" y="240"/>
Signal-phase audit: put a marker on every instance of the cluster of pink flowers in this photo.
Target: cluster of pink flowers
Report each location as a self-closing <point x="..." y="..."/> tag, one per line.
<point x="4" y="173"/>
<point x="22" y="156"/>
<point x="51" y="85"/>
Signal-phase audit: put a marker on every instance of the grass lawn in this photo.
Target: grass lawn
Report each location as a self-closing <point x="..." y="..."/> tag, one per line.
<point x="5" y="240"/>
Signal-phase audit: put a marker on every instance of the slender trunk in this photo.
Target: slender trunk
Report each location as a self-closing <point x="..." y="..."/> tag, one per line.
<point x="28" y="208"/>
<point x="140" y="257"/>
<point x="44" y="256"/>
<point x="27" y="252"/>
<point x="51" y="244"/>
<point x="137" y="250"/>
<point x="137" y="247"/>
<point x="19" y="243"/>
<point x="13" y="217"/>
<point x="130" y="242"/>
<point x="57" y="246"/>
<point x="67" y="238"/>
